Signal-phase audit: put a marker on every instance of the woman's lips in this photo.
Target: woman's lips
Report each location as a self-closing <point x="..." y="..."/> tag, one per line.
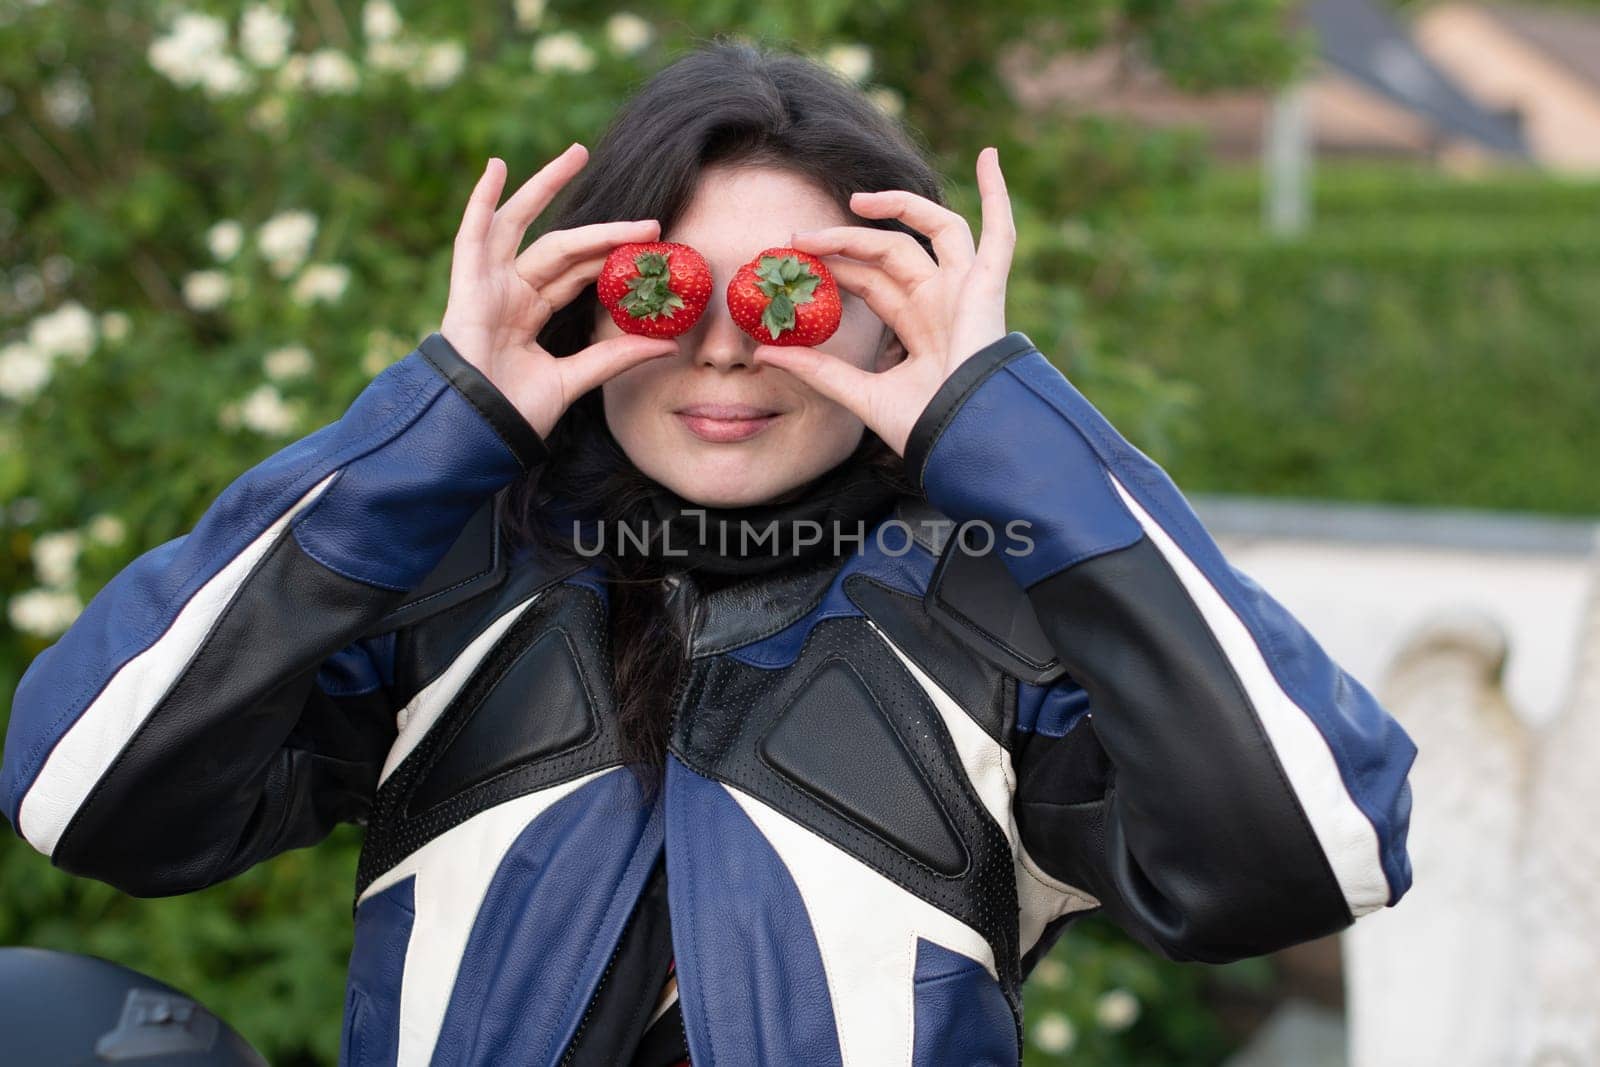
<point x="722" y="429"/>
<point x="726" y="422"/>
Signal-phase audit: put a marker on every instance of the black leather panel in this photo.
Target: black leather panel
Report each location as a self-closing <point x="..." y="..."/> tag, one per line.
<point x="833" y="741"/>
<point x="1199" y="822"/>
<point x="1063" y="770"/>
<point x="728" y="707"/>
<point x="928" y="526"/>
<point x="426" y="649"/>
<point x="278" y="762"/>
<point x="948" y="658"/>
<point x="538" y="707"/>
<point x="974" y="594"/>
<point x="473" y="564"/>
<point x="576" y="614"/>
<point x="751" y="609"/>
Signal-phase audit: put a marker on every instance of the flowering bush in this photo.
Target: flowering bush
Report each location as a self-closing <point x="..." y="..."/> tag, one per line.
<point x="219" y="224"/>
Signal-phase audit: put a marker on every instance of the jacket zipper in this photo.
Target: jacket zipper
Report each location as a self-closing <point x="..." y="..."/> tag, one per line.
<point x="588" y="1012"/>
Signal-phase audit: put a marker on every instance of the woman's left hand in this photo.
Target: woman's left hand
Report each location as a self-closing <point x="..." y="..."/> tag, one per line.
<point x="942" y="312"/>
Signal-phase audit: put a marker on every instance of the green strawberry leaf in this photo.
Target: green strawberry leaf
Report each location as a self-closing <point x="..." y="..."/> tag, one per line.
<point x="778" y="316"/>
<point x="651" y="263"/>
<point x="785" y="278"/>
<point x="801" y="291"/>
<point x="650" y="293"/>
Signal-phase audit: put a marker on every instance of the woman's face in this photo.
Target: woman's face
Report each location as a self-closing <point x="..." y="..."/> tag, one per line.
<point x="734" y="214"/>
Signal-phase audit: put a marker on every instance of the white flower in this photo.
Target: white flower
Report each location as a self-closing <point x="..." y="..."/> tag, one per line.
<point x="441" y="64"/>
<point x="394" y="56"/>
<point x="114" y="325"/>
<point x="28" y="287"/>
<point x="181" y="55"/>
<point x="285" y="239"/>
<point x="264" y="35"/>
<point x="292" y="75"/>
<point x="44" y="612"/>
<point x="270" y="115"/>
<point x="24" y="371"/>
<point x="106" y="529"/>
<point x="281" y="364"/>
<point x="1051" y="971"/>
<point x="854" y="61"/>
<point x="55" y="557"/>
<point x="57" y="269"/>
<point x="1054" y="1033"/>
<point x="379" y="20"/>
<point x="628" y="33"/>
<point x="225" y="239"/>
<point x="68" y="331"/>
<point x="321" y="281"/>
<point x="265" y="411"/>
<point x="1116" y="1009"/>
<point x="222" y="75"/>
<point x="66" y="100"/>
<point x="887" y="99"/>
<point x="329" y="70"/>
<point x="529" y="13"/>
<point x="206" y="290"/>
<point x="564" y="50"/>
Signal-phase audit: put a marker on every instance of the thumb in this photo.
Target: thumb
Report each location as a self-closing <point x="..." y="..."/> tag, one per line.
<point x="606" y="359"/>
<point x="840" y="381"/>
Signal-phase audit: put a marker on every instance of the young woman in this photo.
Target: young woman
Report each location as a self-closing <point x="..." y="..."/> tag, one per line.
<point x="715" y="794"/>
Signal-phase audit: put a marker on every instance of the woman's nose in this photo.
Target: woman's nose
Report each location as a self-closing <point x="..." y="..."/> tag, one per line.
<point x="722" y="344"/>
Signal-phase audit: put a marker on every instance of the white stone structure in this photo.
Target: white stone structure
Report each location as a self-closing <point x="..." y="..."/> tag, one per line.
<point x="1480" y="632"/>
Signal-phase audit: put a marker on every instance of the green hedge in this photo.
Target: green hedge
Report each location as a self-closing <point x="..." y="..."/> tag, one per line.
<point x="1435" y="344"/>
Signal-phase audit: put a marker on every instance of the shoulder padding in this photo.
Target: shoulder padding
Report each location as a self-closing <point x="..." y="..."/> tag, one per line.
<point x="475" y="563"/>
<point x="975" y="597"/>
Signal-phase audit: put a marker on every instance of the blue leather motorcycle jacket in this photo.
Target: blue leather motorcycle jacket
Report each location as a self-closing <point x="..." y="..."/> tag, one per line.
<point x="1037" y="691"/>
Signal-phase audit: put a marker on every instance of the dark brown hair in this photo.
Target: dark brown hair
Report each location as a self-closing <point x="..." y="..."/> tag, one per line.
<point x="731" y="102"/>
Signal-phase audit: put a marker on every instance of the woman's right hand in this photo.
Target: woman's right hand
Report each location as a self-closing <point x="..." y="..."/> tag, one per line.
<point x="499" y="300"/>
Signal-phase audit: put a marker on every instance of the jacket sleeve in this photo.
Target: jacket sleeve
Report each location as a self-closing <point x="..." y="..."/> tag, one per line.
<point x="1203" y="768"/>
<point x="222" y="698"/>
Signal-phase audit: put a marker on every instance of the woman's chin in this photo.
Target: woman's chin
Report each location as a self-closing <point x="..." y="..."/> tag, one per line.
<point x="726" y="482"/>
<point x="721" y="495"/>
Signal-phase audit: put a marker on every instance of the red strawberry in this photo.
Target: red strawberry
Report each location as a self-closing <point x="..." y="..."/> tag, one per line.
<point x="785" y="297"/>
<point x="654" y="288"/>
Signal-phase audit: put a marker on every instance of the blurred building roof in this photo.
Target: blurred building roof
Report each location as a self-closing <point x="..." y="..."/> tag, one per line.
<point x="1531" y="68"/>
<point x="1362" y="40"/>
<point x="1566" y="36"/>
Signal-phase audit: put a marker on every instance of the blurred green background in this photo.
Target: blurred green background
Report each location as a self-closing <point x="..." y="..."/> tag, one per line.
<point x="217" y="227"/>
